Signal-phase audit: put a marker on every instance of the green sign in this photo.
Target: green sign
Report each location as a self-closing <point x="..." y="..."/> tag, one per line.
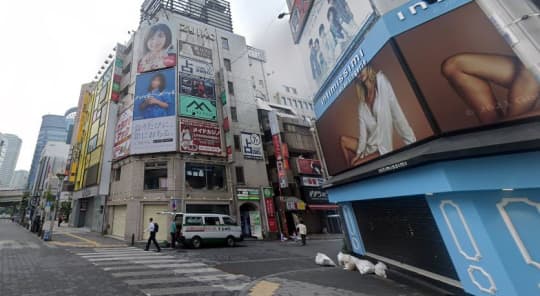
<point x="268" y="192"/>
<point x="248" y="194"/>
<point x="223" y="98"/>
<point x="198" y="108"/>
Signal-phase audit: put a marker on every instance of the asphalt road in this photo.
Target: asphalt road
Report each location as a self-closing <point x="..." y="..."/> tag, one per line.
<point x="79" y="263"/>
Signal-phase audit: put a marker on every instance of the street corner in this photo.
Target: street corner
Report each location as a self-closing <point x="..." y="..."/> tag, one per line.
<point x="84" y="240"/>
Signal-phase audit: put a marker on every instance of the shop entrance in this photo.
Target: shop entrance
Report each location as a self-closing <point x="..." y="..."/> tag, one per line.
<point x="250" y="219"/>
<point x="403" y="229"/>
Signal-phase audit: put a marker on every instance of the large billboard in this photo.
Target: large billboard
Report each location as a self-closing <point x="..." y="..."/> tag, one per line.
<point x="450" y="73"/>
<point x="156" y="46"/>
<point x="299" y="13"/>
<point x="154" y="113"/>
<point x="122" y="134"/>
<point x="469" y="75"/>
<point x="194" y="52"/>
<point x="195" y="67"/>
<point x="199" y="136"/>
<point x="376" y="114"/>
<point x="197" y="86"/>
<point x="198" y="108"/>
<point x="329" y="30"/>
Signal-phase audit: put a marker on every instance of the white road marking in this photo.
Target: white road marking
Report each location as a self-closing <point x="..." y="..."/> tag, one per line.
<point x="162" y="280"/>
<point x="180" y="290"/>
<point x="126" y="258"/>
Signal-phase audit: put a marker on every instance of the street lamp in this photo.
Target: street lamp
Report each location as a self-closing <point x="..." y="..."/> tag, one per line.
<point x="60" y="177"/>
<point x="283" y="14"/>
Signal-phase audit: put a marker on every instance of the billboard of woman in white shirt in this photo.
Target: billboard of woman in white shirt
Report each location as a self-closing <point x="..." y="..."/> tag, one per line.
<point x="379" y="114"/>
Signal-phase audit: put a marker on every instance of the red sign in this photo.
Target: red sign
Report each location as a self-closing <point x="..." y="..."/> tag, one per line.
<point x="271" y="215"/>
<point x="309" y="166"/>
<point x="277" y="146"/>
<point x="199" y="136"/>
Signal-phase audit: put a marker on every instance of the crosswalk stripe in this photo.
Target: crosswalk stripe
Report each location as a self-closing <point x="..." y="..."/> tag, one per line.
<point x="120" y="255"/>
<point x="158" y="260"/>
<point x="141" y="273"/>
<point x="125" y="258"/>
<point x="162" y="280"/>
<point x="125" y="267"/>
<point x="197" y="270"/>
<point x="158" y="274"/>
<point x="180" y="290"/>
<point x="176" y="265"/>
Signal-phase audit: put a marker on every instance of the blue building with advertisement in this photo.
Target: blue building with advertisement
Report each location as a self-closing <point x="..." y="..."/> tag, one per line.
<point x="429" y="127"/>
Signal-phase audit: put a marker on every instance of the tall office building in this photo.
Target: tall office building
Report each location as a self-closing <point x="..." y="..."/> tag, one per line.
<point x="10" y="146"/>
<point x="53" y="128"/>
<point x="19" y="179"/>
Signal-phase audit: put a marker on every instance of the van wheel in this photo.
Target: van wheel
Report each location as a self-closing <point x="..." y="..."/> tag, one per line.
<point x="196" y="242"/>
<point x="230" y="241"/>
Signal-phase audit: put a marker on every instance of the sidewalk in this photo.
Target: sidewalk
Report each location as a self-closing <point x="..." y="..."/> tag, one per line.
<point x="80" y="237"/>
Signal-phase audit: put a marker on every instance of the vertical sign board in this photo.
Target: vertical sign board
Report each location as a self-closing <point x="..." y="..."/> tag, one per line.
<point x="122" y="134"/>
<point x="268" y="194"/>
<point x="276" y="140"/>
<point x="198" y="108"/>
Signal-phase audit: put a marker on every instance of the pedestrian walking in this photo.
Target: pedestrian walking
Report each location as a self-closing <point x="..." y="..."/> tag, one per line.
<point x="59" y="220"/>
<point x="302" y="229"/>
<point x="153" y="228"/>
<point x="173" y="233"/>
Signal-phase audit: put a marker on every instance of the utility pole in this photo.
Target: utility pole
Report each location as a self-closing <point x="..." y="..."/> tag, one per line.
<point x="61" y="177"/>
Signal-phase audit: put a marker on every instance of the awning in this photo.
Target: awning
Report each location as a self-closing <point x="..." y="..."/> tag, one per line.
<point x="323" y="207"/>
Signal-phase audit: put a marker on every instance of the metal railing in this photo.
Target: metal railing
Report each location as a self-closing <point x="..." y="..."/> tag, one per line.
<point x="216" y="13"/>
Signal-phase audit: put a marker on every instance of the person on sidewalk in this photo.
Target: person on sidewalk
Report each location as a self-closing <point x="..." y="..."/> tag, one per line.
<point x="173" y="234"/>
<point x="152" y="238"/>
<point x="59" y="220"/>
<point x="302" y="229"/>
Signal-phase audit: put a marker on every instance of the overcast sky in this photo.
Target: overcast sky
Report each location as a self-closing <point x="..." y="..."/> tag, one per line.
<point x="49" y="48"/>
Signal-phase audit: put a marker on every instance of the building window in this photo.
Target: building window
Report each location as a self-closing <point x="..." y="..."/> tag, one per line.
<point x="205" y="176"/>
<point x="287" y="89"/>
<point x="155" y="175"/>
<point x="237" y="144"/>
<point x="261" y="83"/>
<point x="284" y="100"/>
<point x="117" y="174"/>
<point x="295" y="104"/>
<point x="234" y="116"/>
<point x="240" y="175"/>
<point x="230" y="86"/>
<point x="294" y="90"/>
<point x="227" y="64"/>
<point x="290" y="101"/>
<point x="224" y="43"/>
<point x="92" y="144"/>
<point x="306" y="105"/>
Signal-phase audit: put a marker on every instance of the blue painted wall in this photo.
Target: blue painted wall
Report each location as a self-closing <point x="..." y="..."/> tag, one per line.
<point x="463" y="198"/>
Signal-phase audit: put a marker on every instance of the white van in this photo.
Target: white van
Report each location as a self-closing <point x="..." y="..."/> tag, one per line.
<point x="197" y="229"/>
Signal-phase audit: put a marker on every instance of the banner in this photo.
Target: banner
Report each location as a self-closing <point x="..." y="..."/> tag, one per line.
<point x="195" y="67"/>
<point x="155" y="46"/>
<point x="122" y="134"/>
<point x="195" y="52"/>
<point x="248" y="193"/>
<point x="297" y="20"/>
<point x="198" y="136"/>
<point x="197" y="86"/>
<point x="309" y="166"/>
<point x="154" y="113"/>
<point x="252" y="146"/>
<point x="315" y="196"/>
<point x="329" y="30"/>
<point x="312" y="182"/>
<point x="198" y="108"/>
